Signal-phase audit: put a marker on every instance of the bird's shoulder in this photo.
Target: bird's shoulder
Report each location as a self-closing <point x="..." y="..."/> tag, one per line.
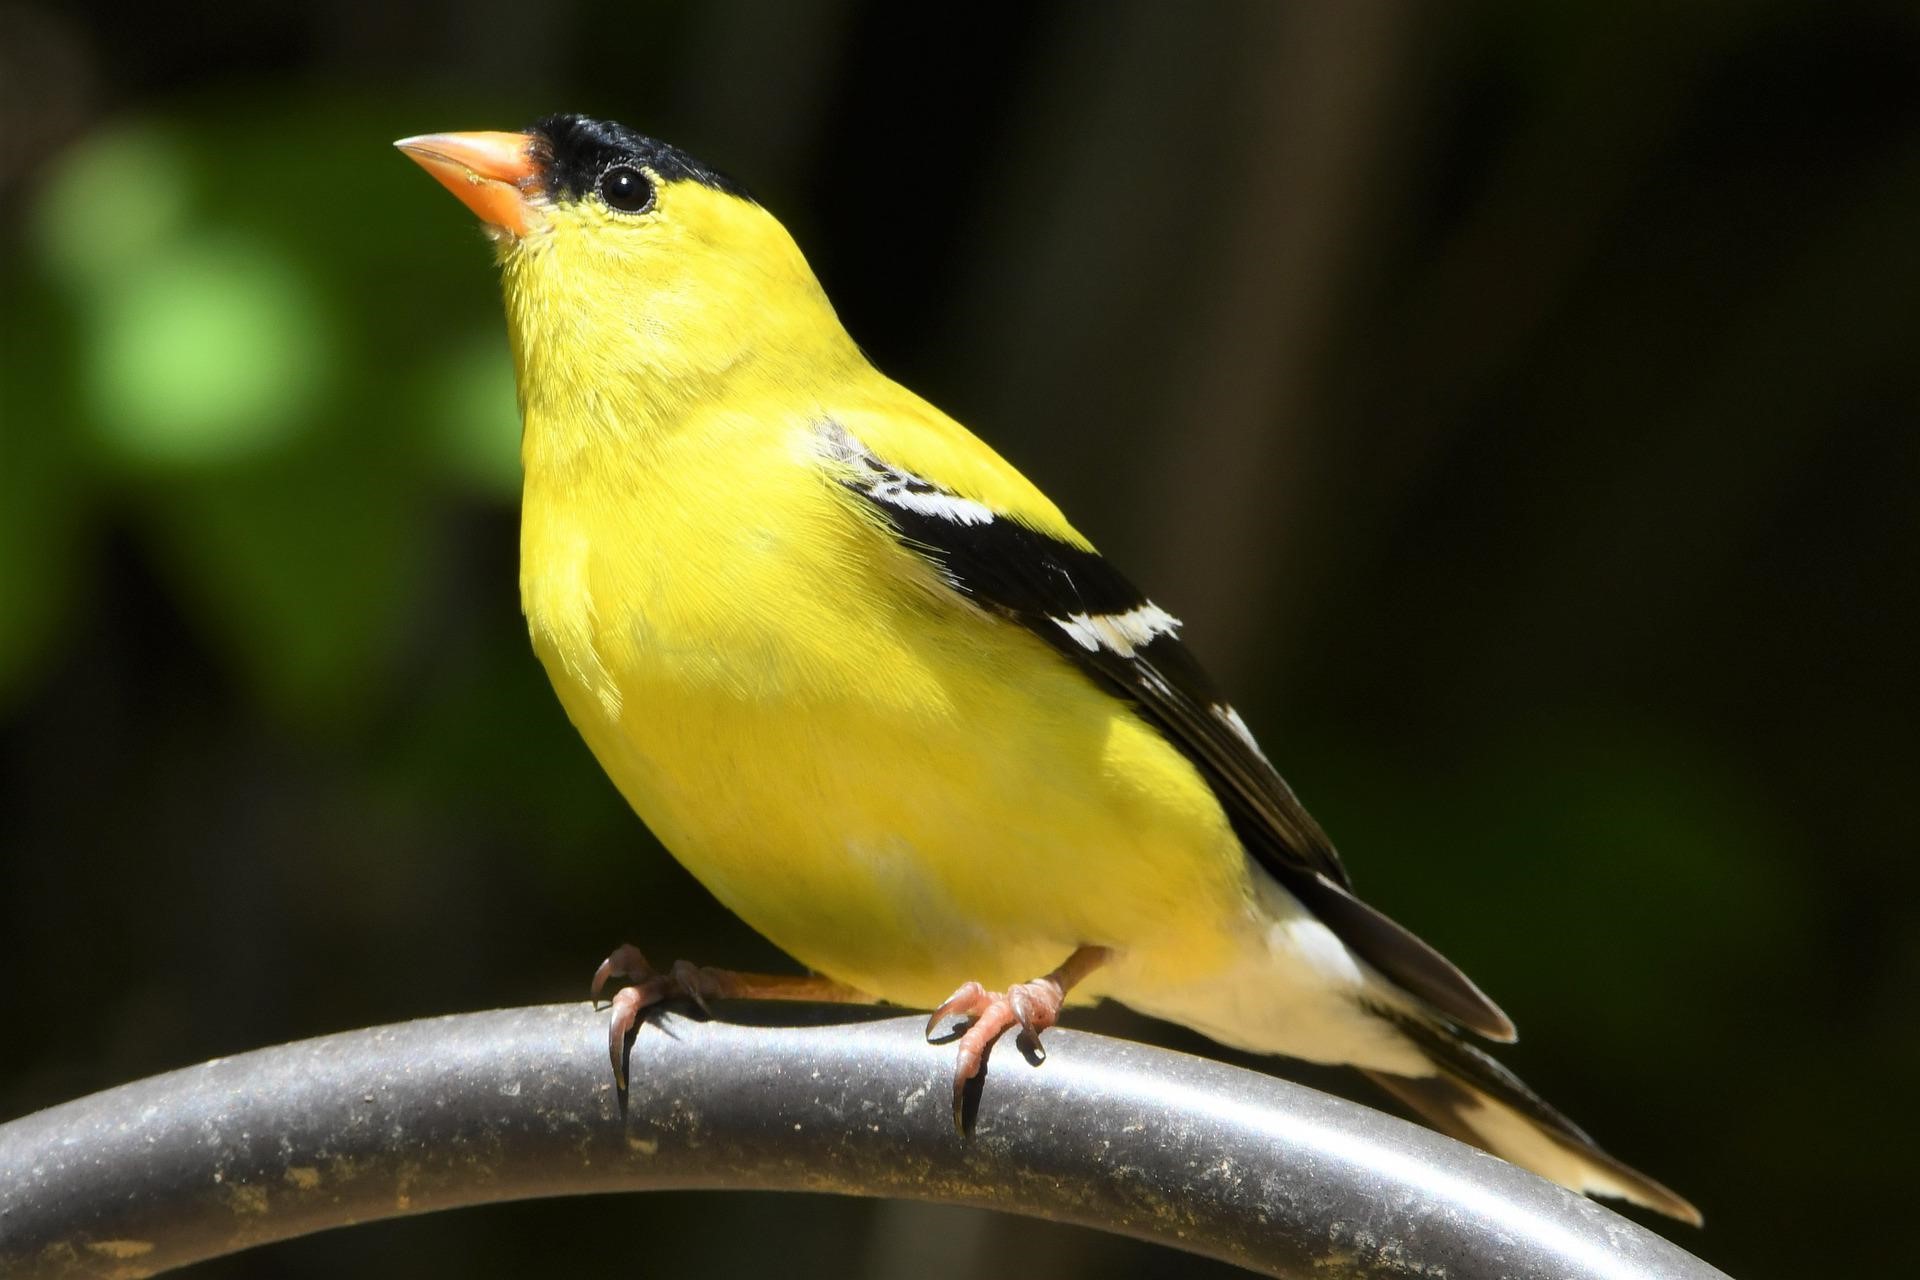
<point x="998" y="543"/>
<point x="897" y="432"/>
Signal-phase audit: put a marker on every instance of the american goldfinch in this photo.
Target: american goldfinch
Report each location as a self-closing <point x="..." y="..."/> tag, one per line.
<point x="870" y="686"/>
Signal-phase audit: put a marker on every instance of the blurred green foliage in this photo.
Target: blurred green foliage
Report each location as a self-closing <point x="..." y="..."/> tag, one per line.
<point x="1517" y="401"/>
<point x="228" y="388"/>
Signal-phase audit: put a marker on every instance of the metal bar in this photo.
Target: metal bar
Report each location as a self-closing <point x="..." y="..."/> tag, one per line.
<point x="518" y="1103"/>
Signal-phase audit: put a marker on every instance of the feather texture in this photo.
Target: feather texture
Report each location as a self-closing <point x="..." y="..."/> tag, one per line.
<point x="876" y="692"/>
<point x="1072" y="598"/>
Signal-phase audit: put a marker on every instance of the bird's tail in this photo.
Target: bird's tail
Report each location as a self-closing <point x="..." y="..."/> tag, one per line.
<point x="1473" y="1098"/>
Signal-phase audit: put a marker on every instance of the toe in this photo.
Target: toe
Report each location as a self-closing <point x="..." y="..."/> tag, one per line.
<point x="1036" y="1005"/>
<point x="968" y="1060"/>
<point x="627" y="1004"/>
<point x="624" y="962"/>
<point x="969" y="1001"/>
<point x="1026" y="1013"/>
<point x="960" y="1078"/>
<point x="976" y="1044"/>
<point x="690" y="982"/>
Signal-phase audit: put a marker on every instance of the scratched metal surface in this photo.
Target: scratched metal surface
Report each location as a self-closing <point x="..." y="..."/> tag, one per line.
<point x="519" y="1103"/>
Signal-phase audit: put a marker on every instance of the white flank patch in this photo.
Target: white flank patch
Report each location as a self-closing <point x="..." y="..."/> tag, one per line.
<point x="1290" y="987"/>
<point x="1120" y="633"/>
<point x="930" y="502"/>
<point x="1303" y="940"/>
<point x="1231" y="718"/>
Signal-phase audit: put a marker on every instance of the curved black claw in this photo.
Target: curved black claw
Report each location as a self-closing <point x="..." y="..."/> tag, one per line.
<point x="687" y="980"/>
<point x="628" y="1004"/>
<point x="1032" y="1019"/>
<point x="643" y="989"/>
<point x="1032" y="1007"/>
<point x="625" y="961"/>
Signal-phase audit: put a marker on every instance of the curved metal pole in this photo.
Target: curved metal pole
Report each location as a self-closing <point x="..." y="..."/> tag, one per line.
<point x="519" y="1103"/>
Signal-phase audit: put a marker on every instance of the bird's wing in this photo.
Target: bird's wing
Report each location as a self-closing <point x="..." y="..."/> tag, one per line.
<point x="1062" y="590"/>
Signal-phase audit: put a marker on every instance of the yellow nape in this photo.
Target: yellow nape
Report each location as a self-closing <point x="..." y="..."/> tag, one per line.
<point x="625" y="330"/>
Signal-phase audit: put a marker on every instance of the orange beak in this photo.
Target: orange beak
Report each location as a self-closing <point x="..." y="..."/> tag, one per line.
<point x="492" y="173"/>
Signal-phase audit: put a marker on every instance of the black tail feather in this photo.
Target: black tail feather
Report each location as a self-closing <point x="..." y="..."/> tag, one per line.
<point x="1396" y="952"/>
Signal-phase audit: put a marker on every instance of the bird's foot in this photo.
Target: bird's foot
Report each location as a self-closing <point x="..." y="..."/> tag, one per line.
<point x="1031" y="1006"/>
<point x="643" y="987"/>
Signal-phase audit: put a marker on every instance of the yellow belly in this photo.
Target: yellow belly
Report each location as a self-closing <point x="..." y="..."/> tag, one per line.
<point x="899" y="790"/>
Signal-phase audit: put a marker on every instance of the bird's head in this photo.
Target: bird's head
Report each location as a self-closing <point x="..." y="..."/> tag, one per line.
<point x="635" y="275"/>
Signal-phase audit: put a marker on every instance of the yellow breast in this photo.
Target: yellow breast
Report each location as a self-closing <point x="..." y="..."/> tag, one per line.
<point x="896" y="788"/>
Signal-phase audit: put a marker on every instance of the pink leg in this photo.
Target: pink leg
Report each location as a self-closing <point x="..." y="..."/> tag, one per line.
<point x="645" y="988"/>
<point x="1032" y="1006"/>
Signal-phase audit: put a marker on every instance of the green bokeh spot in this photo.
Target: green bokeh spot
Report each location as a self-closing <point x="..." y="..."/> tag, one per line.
<point x="211" y="351"/>
<point x="88" y="230"/>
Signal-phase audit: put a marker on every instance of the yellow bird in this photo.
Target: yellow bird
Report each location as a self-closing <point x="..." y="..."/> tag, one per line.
<point x="870" y="686"/>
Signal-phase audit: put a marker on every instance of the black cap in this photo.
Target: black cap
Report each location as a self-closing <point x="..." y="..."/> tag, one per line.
<point x="576" y="150"/>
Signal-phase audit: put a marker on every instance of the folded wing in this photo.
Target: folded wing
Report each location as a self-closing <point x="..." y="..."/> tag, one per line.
<point x="1071" y="597"/>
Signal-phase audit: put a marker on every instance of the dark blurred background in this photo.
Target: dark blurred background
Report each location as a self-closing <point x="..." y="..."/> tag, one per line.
<point x="1518" y="401"/>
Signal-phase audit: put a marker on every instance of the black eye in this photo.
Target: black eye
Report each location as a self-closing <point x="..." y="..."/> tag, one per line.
<point x="626" y="189"/>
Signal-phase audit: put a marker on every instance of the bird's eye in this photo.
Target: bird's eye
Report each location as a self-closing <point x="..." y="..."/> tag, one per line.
<point x="626" y="189"/>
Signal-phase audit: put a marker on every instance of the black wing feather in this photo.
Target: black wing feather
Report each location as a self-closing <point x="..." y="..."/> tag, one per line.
<point x="1045" y="584"/>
